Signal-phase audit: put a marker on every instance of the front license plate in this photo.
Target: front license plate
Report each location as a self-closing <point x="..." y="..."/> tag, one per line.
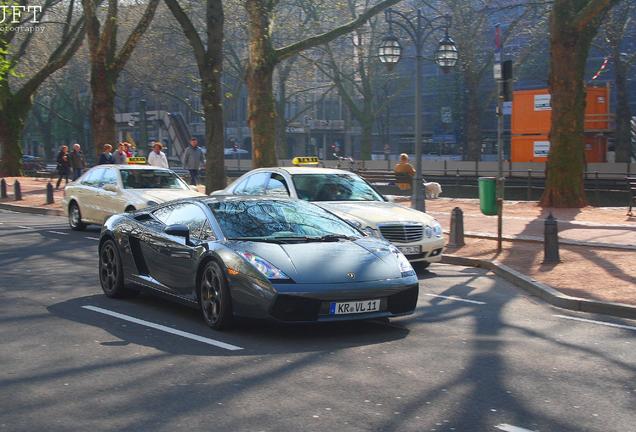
<point x="410" y="250"/>
<point x="341" y="308"/>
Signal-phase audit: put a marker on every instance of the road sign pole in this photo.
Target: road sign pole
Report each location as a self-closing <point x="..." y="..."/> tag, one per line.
<point x="499" y="78"/>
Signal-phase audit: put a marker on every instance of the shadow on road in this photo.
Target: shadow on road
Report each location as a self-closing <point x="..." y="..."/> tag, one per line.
<point x="257" y="337"/>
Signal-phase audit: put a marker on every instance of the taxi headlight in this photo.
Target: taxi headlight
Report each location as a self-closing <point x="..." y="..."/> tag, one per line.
<point x="372" y="232"/>
<point x="437" y="229"/>
<point x="405" y="266"/>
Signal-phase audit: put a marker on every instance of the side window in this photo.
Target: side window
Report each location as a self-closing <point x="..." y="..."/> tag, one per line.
<point x="190" y="215"/>
<point x="206" y="232"/>
<point x="277" y="186"/>
<point x="109" y="177"/>
<point x="163" y="213"/>
<point x="238" y="190"/>
<point x="93" y="178"/>
<point x="256" y="184"/>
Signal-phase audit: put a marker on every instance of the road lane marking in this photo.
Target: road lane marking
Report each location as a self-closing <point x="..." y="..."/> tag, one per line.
<point x="457" y="299"/>
<point x="92" y="238"/>
<point x="58" y="232"/>
<point x="163" y="328"/>
<point x="24" y="227"/>
<point x="621" y="326"/>
<point x="510" y="428"/>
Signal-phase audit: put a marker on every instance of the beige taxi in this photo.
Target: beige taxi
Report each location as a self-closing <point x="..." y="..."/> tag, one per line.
<point x="110" y="189"/>
<point x="416" y="234"/>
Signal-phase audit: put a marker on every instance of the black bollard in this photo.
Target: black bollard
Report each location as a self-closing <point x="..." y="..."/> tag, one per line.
<point x="49" y="193"/>
<point x="456" y="236"/>
<point x="551" y="241"/>
<point x="3" y="188"/>
<point x="17" y="192"/>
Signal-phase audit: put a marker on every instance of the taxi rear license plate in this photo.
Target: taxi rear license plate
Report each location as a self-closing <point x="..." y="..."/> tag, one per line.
<point x="410" y="250"/>
<point x="364" y="306"/>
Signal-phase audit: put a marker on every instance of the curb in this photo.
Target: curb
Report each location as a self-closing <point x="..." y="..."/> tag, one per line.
<point x="32" y="210"/>
<point x="543" y="291"/>
<point x="535" y="239"/>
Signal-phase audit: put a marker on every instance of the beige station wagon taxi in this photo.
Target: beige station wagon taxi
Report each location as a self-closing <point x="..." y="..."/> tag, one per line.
<point x="106" y="190"/>
<point x="416" y="234"/>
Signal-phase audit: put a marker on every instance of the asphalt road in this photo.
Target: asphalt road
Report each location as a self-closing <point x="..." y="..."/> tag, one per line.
<point x="478" y="355"/>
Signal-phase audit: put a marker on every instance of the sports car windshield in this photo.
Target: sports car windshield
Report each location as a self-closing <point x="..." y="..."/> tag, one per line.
<point x="333" y="187"/>
<point x="151" y="179"/>
<point x="279" y="220"/>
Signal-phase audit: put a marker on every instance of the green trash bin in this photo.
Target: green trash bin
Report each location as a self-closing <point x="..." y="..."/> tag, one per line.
<point x="488" y="195"/>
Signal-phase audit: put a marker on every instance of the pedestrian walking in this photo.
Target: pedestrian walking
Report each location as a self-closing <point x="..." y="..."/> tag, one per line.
<point x="192" y="160"/>
<point x="106" y="157"/>
<point x="128" y="148"/>
<point x="157" y="157"/>
<point x="404" y="173"/>
<point x="78" y="162"/>
<point x="120" y="157"/>
<point x="63" y="166"/>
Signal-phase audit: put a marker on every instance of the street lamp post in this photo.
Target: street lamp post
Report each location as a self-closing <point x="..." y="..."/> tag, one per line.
<point x="418" y="28"/>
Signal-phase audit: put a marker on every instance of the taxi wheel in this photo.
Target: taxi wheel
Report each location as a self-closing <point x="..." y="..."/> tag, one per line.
<point x="75" y="217"/>
<point x="111" y="275"/>
<point x="214" y="297"/>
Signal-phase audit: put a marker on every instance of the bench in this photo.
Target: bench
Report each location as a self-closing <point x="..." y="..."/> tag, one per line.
<point x="631" y="188"/>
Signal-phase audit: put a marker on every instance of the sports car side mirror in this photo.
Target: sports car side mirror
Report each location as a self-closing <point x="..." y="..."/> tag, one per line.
<point x="179" y="230"/>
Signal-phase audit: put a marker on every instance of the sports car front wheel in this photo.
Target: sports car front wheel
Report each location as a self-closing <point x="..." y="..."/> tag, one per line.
<point x="111" y="275"/>
<point x="214" y="297"/>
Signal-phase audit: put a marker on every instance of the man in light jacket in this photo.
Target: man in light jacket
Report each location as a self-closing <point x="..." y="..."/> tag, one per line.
<point x="192" y="160"/>
<point x="157" y="157"/>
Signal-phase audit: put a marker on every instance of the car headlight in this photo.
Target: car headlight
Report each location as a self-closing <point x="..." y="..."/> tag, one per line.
<point x="372" y="232"/>
<point x="405" y="266"/>
<point x="437" y="229"/>
<point x="269" y="270"/>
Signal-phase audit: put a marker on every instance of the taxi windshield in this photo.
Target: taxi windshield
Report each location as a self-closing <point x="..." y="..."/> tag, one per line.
<point x="151" y="179"/>
<point x="333" y="187"/>
<point x="278" y="220"/>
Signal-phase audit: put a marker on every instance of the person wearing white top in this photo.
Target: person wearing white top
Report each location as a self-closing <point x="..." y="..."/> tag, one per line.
<point x="157" y="157"/>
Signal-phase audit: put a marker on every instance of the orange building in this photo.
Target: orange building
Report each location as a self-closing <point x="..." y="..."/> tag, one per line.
<point x="532" y="119"/>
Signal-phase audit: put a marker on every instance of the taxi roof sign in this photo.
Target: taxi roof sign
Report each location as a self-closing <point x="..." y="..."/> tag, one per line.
<point x="137" y="160"/>
<point x="305" y="160"/>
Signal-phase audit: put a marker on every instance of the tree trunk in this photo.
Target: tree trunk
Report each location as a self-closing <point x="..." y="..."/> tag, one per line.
<point x="261" y="109"/>
<point x="473" y="124"/>
<point x="569" y="49"/>
<point x="103" y="122"/>
<point x="212" y="99"/>
<point x="366" y="138"/>
<point x="11" y="126"/>
<point x="214" y="134"/>
<point x="623" y="114"/>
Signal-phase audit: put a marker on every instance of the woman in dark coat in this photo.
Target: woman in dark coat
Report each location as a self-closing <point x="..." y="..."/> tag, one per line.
<point x="63" y="165"/>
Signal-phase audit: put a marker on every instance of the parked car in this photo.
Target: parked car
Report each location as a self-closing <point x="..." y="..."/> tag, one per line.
<point x="416" y="234"/>
<point x="105" y="190"/>
<point x="258" y="257"/>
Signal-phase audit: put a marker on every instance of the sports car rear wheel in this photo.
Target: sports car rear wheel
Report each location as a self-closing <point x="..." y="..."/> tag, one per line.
<point x="214" y="297"/>
<point x="111" y="275"/>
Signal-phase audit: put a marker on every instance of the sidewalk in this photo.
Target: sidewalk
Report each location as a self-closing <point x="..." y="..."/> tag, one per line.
<point x="598" y="263"/>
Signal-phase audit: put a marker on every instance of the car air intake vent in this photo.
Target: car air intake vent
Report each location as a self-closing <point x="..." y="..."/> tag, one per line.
<point x="402" y="233"/>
